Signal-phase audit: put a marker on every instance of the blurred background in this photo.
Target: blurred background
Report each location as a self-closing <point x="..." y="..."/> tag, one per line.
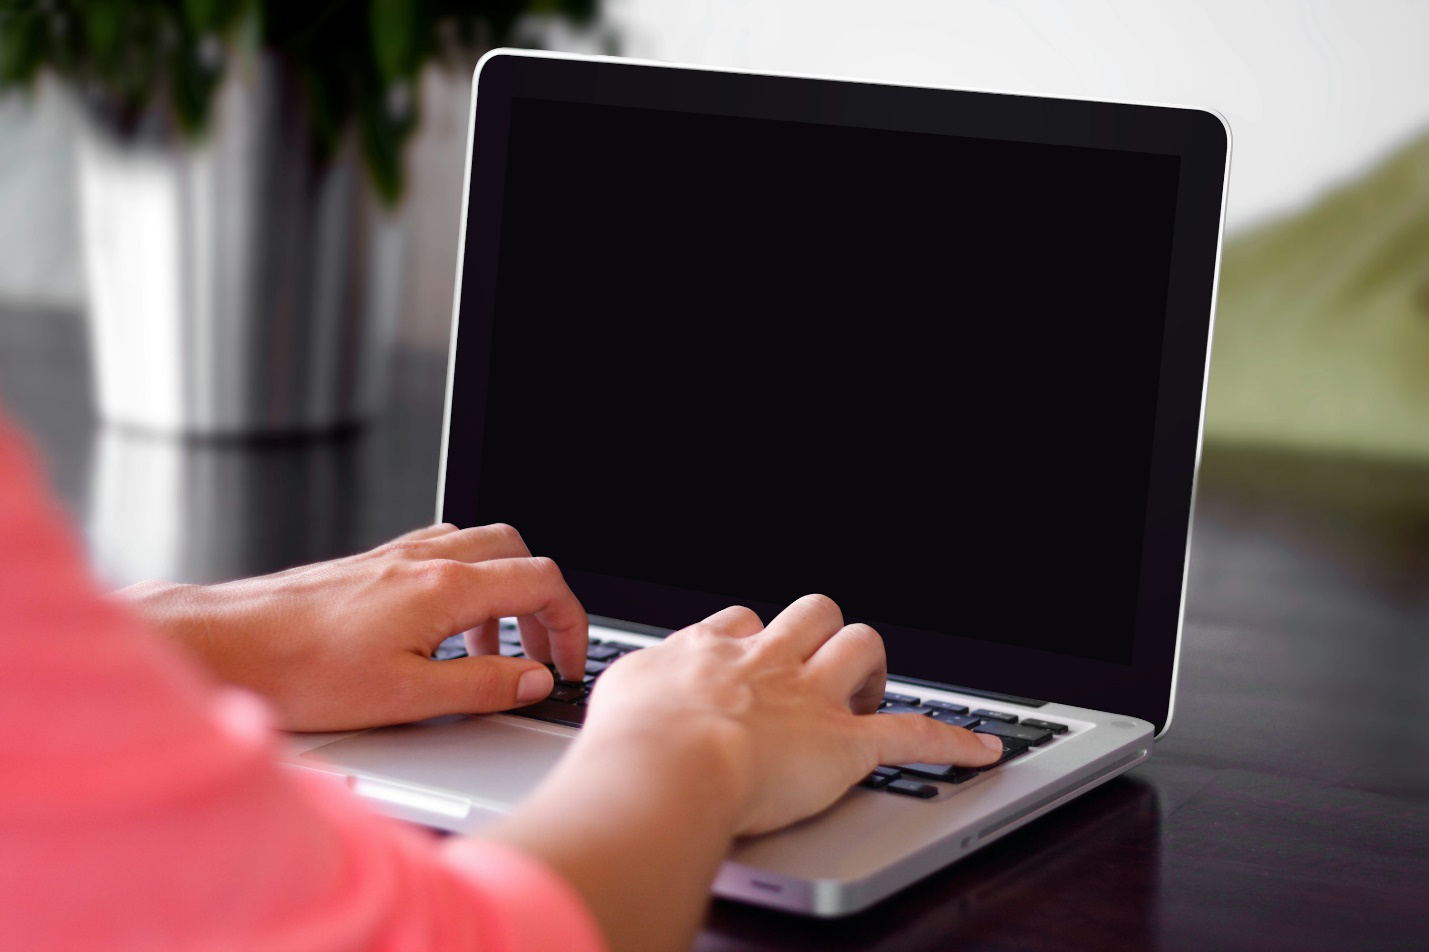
<point x="248" y="373"/>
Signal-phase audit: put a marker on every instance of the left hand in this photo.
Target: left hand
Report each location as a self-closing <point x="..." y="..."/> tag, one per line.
<point x="347" y="644"/>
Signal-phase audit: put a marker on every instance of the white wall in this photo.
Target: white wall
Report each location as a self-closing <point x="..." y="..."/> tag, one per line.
<point x="39" y="230"/>
<point x="1314" y="91"/>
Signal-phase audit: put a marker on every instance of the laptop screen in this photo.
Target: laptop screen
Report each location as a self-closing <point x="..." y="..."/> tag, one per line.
<point x="735" y="359"/>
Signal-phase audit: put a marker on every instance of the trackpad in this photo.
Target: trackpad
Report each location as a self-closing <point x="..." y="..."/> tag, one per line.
<point x="495" y="761"/>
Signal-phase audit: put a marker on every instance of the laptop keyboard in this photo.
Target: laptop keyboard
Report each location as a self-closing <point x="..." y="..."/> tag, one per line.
<point x="566" y="704"/>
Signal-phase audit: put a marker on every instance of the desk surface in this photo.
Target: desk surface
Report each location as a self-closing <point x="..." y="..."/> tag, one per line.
<point x="1288" y="807"/>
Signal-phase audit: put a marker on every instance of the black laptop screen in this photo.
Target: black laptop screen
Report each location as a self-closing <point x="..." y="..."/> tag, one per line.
<point x="733" y="359"/>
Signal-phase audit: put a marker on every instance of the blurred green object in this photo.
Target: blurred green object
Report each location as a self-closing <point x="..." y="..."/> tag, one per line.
<point x="146" y="67"/>
<point x="1322" y="329"/>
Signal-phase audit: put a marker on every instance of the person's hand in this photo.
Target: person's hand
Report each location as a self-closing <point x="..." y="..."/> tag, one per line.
<point x="724" y="729"/>
<point x="788" y="707"/>
<point x="347" y="644"/>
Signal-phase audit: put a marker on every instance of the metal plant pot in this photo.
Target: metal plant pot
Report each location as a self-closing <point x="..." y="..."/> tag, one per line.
<point x="238" y="286"/>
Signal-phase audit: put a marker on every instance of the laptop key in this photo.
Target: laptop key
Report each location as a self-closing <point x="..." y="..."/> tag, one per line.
<point x="1033" y="735"/>
<point x="571" y="715"/>
<point x="911" y="788"/>
<point x="891" y="698"/>
<point x="879" y="779"/>
<point x="567" y="692"/>
<point x="946" y="706"/>
<point x="903" y="709"/>
<point x="1045" y="725"/>
<point x="1006" y="756"/>
<point x="1011" y="747"/>
<point x="453" y="647"/>
<point x="957" y="720"/>
<point x="996" y="716"/>
<point x="603" y="652"/>
<point x="946" y="773"/>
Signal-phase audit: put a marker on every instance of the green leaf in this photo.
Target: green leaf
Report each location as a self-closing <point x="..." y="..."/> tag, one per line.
<point x="215" y="16"/>
<point x="191" y="86"/>
<point x="328" y="109"/>
<point x="22" y="48"/>
<point x="394" y="37"/>
<point x="102" y="24"/>
<point x="382" y="137"/>
<point x="203" y="15"/>
<point x="352" y="55"/>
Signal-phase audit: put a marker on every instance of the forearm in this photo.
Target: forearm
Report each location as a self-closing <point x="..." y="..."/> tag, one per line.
<point x="638" y="834"/>
<point x="177" y="613"/>
<point x="205" y="623"/>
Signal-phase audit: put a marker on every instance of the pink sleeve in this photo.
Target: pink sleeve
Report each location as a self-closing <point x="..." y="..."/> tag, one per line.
<point x="140" y="805"/>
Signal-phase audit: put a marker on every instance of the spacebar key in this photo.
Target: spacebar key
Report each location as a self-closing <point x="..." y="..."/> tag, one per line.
<point x="570" y="715"/>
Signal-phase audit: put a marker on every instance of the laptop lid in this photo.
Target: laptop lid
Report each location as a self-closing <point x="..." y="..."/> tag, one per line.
<point x="723" y="337"/>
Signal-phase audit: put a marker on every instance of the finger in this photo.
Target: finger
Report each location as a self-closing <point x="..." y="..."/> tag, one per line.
<point x="854" y="664"/>
<point x="427" y="532"/>
<point x="535" y="641"/>
<point x="805" y="625"/>
<point x="477" y="544"/>
<point x="533" y="590"/>
<point x="473" y="685"/>
<point x="735" y="621"/>
<point x="484" y="639"/>
<point x="566" y="651"/>
<point x="916" y="738"/>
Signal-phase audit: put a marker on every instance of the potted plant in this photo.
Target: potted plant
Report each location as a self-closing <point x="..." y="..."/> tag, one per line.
<point x="238" y="173"/>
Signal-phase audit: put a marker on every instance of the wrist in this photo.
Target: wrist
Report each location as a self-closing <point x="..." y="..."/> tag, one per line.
<point x="637" y="820"/>
<point x="169" y="608"/>
<point x="703" y="764"/>
<point x="175" y="611"/>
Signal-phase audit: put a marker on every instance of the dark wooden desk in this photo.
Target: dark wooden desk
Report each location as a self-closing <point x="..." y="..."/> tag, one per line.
<point x="1288" y="808"/>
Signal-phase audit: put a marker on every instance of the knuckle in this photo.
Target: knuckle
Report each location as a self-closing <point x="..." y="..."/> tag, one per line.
<point x="730" y="621"/>
<point x="546" y="568"/>
<point x="390" y="571"/>
<point x="924" y="725"/>
<point x="927" y="733"/>
<point x="503" y="532"/>
<point x="402" y="548"/>
<point x="865" y="637"/>
<point x="439" y="574"/>
<point x="823" y="604"/>
<point x="488" y="683"/>
<point x="957" y="739"/>
<point x="745" y="614"/>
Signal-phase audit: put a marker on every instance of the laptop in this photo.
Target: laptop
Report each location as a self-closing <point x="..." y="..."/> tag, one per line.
<point x="724" y="337"/>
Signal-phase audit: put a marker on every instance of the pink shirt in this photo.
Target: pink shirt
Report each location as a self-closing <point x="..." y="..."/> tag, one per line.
<point x="141" y="807"/>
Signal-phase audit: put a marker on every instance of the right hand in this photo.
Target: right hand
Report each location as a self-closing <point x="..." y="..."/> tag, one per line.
<point x="787" y="710"/>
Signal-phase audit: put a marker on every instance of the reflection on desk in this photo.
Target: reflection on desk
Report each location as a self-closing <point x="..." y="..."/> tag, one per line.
<point x="192" y="511"/>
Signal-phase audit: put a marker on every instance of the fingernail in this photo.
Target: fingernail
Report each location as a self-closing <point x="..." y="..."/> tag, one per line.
<point x="534" y="685"/>
<point x="991" y="742"/>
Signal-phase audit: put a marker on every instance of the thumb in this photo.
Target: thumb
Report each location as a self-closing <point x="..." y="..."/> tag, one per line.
<point x="483" y="683"/>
